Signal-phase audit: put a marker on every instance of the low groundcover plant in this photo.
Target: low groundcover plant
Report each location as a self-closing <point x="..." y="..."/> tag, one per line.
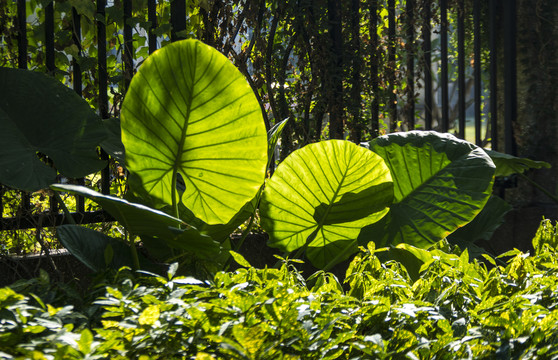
<point x="501" y="307"/>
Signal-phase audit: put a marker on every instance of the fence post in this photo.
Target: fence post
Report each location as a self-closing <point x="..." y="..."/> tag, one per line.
<point x="21" y="35"/>
<point x="391" y="66"/>
<point x="375" y="107"/>
<point x="510" y="76"/>
<point x="178" y="18"/>
<point x="493" y="76"/>
<point x="477" y="69"/>
<point x="444" y="126"/>
<point x="427" y="53"/>
<point x="461" y="68"/>
<point x="152" y="18"/>
<point x="49" y="37"/>
<point x="103" y="84"/>
<point x="410" y="47"/>
<point x="128" y="54"/>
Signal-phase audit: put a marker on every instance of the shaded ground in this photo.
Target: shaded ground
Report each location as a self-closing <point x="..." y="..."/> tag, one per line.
<point x="62" y="266"/>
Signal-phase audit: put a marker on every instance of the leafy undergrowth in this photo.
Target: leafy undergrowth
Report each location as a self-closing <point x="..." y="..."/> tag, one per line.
<point x="498" y="308"/>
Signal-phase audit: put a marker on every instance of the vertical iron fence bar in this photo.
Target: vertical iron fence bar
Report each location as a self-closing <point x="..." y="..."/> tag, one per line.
<point x="50" y="65"/>
<point x="152" y="18"/>
<point x="22" y="64"/>
<point x="76" y="38"/>
<point x="444" y="64"/>
<point x="103" y="83"/>
<point x="128" y="45"/>
<point x="427" y="50"/>
<point x="76" y="73"/>
<point x="477" y="69"/>
<point x="461" y="67"/>
<point x="102" y="59"/>
<point x="22" y="35"/>
<point x="49" y="37"/>
<point x="2" y="189"/>
<point x="391" y="66"/>
<point x="510" y="76"/>
<point x="375" y="106"/>
<point x="178" y="18"/>
<point x="493" y="76"/>
<point x="410" y="9"/>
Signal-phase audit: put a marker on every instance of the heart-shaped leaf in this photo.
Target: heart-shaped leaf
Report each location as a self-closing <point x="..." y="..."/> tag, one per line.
<point x="440" y="183"/>
<point x="59" y="125"/>
<point x="321" y="196"/>
<point x="189" y="111"/>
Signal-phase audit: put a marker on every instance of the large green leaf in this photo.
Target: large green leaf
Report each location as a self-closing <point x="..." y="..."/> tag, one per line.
<point x="321" y="196"/>
<point x="507" y="165"/>
<point x="149" y="223"/>
<point x="189" y="111"/>
<point x="40" y="115"/>
<point x="92" y="247"/>
<point x="440" y="183"/>
<point x="220" y="232"/>
<point x="136" y="218"/>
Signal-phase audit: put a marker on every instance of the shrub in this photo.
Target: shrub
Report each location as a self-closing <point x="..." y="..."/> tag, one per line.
<point x="455" y="309"/>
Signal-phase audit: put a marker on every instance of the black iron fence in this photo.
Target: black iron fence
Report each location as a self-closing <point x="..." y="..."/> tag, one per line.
<point x="441" y="50"/>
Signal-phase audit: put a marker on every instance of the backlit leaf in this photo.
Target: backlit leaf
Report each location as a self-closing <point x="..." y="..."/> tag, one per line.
<point x="190" y="112"/>
<point x="321" y="196"/>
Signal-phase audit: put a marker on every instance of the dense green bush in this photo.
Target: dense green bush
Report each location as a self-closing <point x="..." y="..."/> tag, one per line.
<point x="503" y="307"/>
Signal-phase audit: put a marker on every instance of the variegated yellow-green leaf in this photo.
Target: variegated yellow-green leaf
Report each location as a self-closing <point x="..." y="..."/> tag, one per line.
<point x="149" y="315"/>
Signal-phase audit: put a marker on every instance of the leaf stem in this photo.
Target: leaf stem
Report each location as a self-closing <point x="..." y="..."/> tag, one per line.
<point x="134" y="252"/>
<point x="546" y="192"/>
<point x="241" y="241"/>
<point x="64" y="208"/>
<point x="174" y="195"/>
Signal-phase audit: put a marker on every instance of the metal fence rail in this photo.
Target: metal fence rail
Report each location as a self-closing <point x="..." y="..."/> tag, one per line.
<point x="419" y="39"/>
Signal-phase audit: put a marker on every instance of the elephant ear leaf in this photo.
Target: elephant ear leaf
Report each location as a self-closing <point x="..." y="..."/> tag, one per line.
<point x="440" y="184"/>
<point x="321" y="196"/>
<point x="59" y="125"/>
<point x="190" y="112"/>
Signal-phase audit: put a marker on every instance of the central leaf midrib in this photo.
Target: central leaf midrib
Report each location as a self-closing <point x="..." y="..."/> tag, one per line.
<point x="178" y="157"/>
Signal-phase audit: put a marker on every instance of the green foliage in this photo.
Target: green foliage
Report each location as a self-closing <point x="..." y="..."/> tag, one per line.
<point x="440" y="184"/>
<point x="322" y="195"/>
<point x="202" y="123"/>
<point x="454" y="309"/>
<point x="195" y="144"/>
<point x="507" y="165"/>
<point x="70" y="131"/>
